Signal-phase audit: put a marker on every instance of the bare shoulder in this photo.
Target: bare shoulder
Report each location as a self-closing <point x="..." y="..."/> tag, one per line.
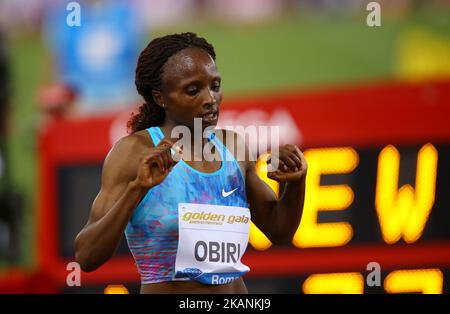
<point x="131" y="144"/>
<point x="125" y="154"/>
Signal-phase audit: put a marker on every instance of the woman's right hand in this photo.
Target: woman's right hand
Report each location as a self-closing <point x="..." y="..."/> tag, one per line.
<point x="156" y="165"/>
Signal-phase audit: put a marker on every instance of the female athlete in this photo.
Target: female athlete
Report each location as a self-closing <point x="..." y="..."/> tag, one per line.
<point x="186" y="222"/>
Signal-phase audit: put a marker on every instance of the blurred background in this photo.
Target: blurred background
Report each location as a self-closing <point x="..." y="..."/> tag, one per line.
<point x="369" y="106"/>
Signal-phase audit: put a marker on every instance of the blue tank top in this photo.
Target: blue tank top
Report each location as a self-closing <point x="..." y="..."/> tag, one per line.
<point x="152" y="232"/>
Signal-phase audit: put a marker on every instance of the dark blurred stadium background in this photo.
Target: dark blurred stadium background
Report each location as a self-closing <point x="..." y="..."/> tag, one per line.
<point x="370" y="107"/>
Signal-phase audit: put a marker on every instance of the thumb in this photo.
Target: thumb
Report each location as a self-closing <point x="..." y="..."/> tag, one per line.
<point x="177" y="153"/>
<point x="271" y="174"/>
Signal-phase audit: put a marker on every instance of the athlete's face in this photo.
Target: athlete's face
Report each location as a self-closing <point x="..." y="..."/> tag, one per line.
<point x="191" y="88"/>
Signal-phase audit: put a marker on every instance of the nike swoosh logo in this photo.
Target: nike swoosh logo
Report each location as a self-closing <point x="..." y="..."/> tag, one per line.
<point x="226" y="194"/>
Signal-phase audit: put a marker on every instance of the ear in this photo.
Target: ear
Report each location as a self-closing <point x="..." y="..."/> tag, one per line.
<point x="158" y="98"/>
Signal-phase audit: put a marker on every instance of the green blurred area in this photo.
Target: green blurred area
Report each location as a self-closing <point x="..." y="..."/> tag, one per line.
<point x="295" y="52"/>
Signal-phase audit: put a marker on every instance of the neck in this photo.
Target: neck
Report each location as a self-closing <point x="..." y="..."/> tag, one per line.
<point x="167" y="126"/>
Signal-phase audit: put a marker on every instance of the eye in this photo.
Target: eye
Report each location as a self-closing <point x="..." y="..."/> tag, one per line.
<point x="192" y="90"/>
<point x="216" y="86"/>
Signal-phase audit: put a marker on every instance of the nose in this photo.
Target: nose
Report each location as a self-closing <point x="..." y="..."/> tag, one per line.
<point x="209" y="101"/>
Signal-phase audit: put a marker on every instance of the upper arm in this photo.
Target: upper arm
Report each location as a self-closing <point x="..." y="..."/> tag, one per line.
<point x="119" y="168"/>
<point x="260" y="196"/>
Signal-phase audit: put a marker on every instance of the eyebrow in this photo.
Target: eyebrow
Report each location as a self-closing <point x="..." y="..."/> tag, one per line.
<point x="197" y="81"/>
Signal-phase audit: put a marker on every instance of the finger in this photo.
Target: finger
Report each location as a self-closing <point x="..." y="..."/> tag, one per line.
<point x="165" y="158"/>
<point x="156" y="159"/>
<point x="297" y="160"/>
<point x="164" y="163"/>
<point x="281" y="176"/>
<point x="160" y="176"/>
<point x="282" y="165"/>
<point x="177" y="149"/>
<point x="171" y="161"/>
<point x="299" y="154"/>
<point x="275" y="175"/>
<point x="288" y="161"/>
<point x="272" y="173"/>
<point x="165" y="142"/>
<point x="276" y="164"/>
<point x="177" y="153"/>
<point x="160" y="149"/>
<point x="146" y="159"/>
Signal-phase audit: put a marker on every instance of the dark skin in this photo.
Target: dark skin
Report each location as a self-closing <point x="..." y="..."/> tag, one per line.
<point x="191" y="88"/>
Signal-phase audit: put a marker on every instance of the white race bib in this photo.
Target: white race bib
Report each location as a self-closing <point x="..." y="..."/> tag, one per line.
<point x="212" y="241"/>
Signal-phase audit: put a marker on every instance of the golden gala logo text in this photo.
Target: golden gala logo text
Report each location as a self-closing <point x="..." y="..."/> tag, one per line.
<point x="212" y="218"/>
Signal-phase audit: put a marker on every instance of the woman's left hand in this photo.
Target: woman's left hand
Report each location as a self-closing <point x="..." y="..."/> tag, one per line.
<point x="292" y="165"/>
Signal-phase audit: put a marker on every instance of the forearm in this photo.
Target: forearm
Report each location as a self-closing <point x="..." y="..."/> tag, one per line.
<point x="97" y="242"/>
<point x="288" y="211"/>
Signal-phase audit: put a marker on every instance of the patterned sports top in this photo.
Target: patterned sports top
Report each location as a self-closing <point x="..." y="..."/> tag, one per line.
<point x="158" y="228"/>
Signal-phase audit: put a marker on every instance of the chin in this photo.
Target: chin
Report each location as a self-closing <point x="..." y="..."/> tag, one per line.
<point x="206" y="124"/>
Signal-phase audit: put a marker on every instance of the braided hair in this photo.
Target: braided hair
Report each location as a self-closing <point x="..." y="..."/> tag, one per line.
<point x="149" y="71"/>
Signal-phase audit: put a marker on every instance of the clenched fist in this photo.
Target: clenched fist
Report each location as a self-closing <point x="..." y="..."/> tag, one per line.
<point x="156" y="165"/>
<point x="292" y="165"/>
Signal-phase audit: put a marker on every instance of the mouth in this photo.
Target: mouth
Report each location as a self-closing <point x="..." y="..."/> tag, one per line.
<point x="210" y="117"/>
